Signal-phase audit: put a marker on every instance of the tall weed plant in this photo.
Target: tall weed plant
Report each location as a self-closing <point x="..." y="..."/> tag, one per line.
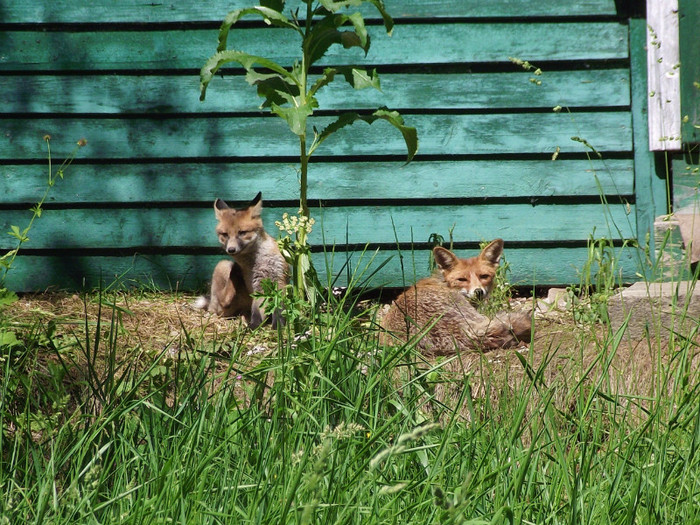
<point x="290" y="92"/>
<point x="21" y="235"/>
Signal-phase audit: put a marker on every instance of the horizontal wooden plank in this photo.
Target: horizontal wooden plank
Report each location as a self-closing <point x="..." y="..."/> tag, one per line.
<point x="132" y="183"/>
<point x="146" y="138"/>
<point x="188" y="49"/>
<point x="528" y="266"/>
<point x="188" y="227"/>
<point x="110" y="94"/>
<point x="67" y="11"/>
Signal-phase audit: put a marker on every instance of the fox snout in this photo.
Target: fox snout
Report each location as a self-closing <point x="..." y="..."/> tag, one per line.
<point x="477" y="295"/>
<point x="232" y="248"/>
<point x="474" y="295"/>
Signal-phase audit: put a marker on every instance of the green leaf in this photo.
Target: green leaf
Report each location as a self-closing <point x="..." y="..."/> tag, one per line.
<point x="295" y="116"/>
<point x="274" y="88"/>
<point x="325" y="33"/>
<point x="388" y="21"/>
<point x="7" y="297"/>
<point x="360" y="30"/>
<point x="277" y="5"/>
<point x="8" y="339"/>
<point x="327" y="77"/>
<point x="410" y="134"/>
<point x="360" y="79"/>
<point x="268" y="14"/>
<point x="333" y="7"/>
<point x="9" y="254"/>
<point x="20" y="236"/>
<point x="221" y="58"/>
<point x="357" y="78"/>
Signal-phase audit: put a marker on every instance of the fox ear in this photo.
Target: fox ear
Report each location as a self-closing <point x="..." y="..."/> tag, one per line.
<point x="219" y="206"/>
<point x="256" y="205"/>
<point x="256" y="199"/>
<point x="444" y="258"/>
<point x="492" y="252"/>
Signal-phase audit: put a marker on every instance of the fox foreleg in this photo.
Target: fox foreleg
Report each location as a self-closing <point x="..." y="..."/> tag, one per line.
<point x="229" y="295"/>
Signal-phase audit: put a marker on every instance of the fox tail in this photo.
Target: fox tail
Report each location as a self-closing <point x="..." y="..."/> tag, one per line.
<point x="202" y="302"/>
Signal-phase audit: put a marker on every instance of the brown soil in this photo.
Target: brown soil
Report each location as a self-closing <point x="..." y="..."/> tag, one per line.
<point x="150" y="324"/>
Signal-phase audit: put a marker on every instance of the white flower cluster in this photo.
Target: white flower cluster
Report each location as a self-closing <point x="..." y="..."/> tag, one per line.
<point x="293" y="223"/>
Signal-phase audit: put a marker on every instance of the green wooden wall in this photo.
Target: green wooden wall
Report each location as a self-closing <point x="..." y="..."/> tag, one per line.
<point x="138" y="201"/>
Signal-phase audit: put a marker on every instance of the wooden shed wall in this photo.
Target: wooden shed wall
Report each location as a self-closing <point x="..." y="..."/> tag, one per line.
<point x="138" y="201"/>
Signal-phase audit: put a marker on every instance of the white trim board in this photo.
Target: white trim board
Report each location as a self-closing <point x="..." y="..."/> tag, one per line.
<point x="663" y="75"/>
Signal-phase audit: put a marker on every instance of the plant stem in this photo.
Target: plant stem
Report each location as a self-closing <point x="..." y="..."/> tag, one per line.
<point x="302" y="261"/>
<point x="303" y="180"/>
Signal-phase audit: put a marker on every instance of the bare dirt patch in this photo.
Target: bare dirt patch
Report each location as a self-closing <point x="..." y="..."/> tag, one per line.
<point x="563" y="353"/>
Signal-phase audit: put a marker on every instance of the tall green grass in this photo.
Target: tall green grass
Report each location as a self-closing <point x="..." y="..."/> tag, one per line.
<point x="332" y="428"/>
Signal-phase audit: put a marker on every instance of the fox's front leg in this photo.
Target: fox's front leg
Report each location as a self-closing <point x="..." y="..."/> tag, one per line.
<point x="222" y="289"/>
<point x="258" y="315"/>
<point x="229" y="295"/>
<point x="277" y="319"/>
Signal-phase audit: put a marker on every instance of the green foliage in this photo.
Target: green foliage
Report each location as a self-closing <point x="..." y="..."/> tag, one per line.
<point x="296" y="251"/>
<point x="330" y="427"/>
<point x="290" y="92"/>
<point x="21" y="235"/>
<point x="600" y="278"/>
<point x="502" y="292"/>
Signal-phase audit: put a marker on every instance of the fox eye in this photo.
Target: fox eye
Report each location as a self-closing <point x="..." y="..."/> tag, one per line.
<point x="223" y="235"/>
<point x="243" y="232"/>
<point x="484" y="276"/>
<point x="462" y="279"/>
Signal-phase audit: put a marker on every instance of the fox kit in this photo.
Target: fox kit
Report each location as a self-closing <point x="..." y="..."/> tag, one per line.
<point x="444" y="306"/>
<point x="256" y="257"/>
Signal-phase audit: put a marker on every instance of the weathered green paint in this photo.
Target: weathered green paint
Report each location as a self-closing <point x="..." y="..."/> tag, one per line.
<point x="447" y="134"/>
<point x="188" y="272"/>
<point x="186" y="227"/>
<point x="187" y="49"/>
<point x="422" y="180"/>
<point x="119" y="94"/>
<point x="689" y="22"/>
<point x="101" y="11"/>
<point x="157" y="157"/>
<point x="650" y="181"/>
<point x="686" y="181"/>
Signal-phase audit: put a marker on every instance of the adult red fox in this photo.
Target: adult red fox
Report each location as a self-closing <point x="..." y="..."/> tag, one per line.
<point x="443" y="307"/>
<point x="256" y="257"/>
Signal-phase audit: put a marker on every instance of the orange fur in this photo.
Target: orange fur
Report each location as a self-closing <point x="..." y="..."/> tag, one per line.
<point x="441" y="309"/>
<point x="256" y="257"/>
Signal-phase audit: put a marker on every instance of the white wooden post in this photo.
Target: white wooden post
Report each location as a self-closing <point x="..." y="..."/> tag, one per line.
<point x="663" y="73"/>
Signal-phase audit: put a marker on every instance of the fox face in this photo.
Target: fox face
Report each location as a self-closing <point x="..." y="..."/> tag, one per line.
<point x="238" y="229"/>
<point x="474" y="277"/>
